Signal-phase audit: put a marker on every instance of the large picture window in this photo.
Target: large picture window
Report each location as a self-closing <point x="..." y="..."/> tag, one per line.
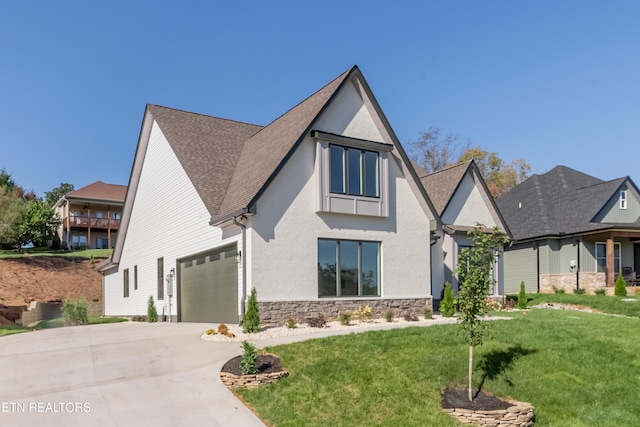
<point x="354" y="171"/>
<point x="601" y="257"/>
<point x="348" y="268"/>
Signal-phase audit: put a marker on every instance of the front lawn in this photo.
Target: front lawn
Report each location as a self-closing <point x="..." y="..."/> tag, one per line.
<point x="577" y="369"/>
<point x="627" y="306"/>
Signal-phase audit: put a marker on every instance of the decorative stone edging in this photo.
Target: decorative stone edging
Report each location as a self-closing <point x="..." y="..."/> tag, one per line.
<point x="250" y="381"/>
<point x="518" y="415"/>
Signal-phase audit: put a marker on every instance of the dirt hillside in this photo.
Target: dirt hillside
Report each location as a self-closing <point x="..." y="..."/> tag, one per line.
<point x="43" y="278"/>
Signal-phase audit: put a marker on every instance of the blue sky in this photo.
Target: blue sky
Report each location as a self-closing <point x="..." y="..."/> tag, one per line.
<point x="551" y="82"/>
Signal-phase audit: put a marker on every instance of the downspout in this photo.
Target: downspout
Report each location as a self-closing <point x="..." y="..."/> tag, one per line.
<point x="243" y="257"/>
<point x="536" y="247"/>
<point x="578" y="266"/>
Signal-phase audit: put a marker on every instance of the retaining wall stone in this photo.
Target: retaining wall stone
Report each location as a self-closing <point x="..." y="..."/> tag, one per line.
<point x="518" y="415"/>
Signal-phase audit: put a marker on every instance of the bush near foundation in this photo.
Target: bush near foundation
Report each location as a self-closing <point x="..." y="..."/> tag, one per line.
<point x="621" y="286"/>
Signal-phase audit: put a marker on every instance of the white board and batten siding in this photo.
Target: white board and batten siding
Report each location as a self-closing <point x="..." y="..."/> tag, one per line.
<point x="168" y="220"/>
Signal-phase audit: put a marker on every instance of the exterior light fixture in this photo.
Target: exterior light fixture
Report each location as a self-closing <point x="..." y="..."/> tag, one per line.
<point x="239" y="257"/>
<point x="172" y="272"/>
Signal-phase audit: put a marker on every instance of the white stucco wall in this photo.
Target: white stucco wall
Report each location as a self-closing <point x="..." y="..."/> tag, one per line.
<point x="284" y="233"/>
<point x="467" y="207"/>
<point x="168" y="220"/>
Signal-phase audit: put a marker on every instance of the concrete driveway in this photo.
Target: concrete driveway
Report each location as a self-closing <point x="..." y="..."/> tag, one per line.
<point x="126" y="374"/>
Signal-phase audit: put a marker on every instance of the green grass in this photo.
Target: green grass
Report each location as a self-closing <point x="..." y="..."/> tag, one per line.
<point x="606" y="304"/>
<point x="87" y="253"/>
<point x="55" y="323"/>
<point x="577" y="369"/>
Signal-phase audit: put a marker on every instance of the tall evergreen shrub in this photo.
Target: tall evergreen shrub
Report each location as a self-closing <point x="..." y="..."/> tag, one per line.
<point x="621" y="286"/>
<point x="448" y="303"/>
<point x="152" y="313"/>
<point x="251" y="319"/>
<point x="522" y="297"/>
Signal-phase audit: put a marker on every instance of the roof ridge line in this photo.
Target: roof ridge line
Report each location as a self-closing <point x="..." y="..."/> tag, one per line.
<point x="205" y="115"/>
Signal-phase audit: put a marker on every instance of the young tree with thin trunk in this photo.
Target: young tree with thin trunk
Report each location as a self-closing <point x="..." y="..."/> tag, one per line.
<point x="475" y="274"/>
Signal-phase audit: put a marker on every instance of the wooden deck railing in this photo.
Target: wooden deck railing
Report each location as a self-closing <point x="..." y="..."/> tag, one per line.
<point x="86" y="222"/>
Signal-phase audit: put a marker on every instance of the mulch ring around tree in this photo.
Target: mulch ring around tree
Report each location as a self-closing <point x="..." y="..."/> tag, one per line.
<point x="459" y="399"/>
<point x="265" y="363"/>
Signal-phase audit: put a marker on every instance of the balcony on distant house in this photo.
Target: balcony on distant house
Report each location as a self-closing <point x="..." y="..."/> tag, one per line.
<point x="93" y="222"/>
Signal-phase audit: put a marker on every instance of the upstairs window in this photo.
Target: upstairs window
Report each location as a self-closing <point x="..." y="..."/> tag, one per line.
<point x="354" y="171"/>
<point x="623" y="199"/>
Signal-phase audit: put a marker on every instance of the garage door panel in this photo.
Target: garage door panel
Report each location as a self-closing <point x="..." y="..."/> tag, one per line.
<point x="209" y="287"/>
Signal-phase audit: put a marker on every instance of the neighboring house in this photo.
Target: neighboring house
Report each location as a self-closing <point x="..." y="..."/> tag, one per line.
<point x="320" y="212"/>
<point x="462" y="200"/>
<point x="91" y="216"/>
<point x="571" y="230"/>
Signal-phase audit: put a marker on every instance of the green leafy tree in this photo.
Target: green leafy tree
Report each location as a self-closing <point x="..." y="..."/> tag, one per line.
<point x="11" y="213"/>
<point x="51" y="197"/>
<point x="448" y="302"/>
<point x="477" y="279"/>
<point x="6" y="181"/>
<point x="522" y="297"/>
<point x="37" y="223"/>
<point x="251" y="319"/>
<point x="621" y="287"/>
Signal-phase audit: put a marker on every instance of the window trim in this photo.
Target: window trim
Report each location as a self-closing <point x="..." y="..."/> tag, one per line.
<point x="604" y="268"/>
<point x="623" y="199"/>
<point x="338" y="272"/>
<point x="345" y="203"/>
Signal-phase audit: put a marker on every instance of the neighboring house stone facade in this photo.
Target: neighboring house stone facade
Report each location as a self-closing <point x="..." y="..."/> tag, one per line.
<point x="91" y="216"/>
<point x="462" y="200"/>
<point x="571" y="230"/>
<point x="321" y="211"/>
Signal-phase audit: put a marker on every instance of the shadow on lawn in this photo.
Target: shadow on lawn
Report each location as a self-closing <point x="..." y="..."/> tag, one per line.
<point x="497" y="362"/>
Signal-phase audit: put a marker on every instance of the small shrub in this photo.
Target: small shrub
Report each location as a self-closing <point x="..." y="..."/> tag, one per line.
<point x="291" y="323"/>
<point x="579" y="291"/>
<point x="428" y="314"/>
<point x="558" y="290"/>
<point x="363" y="313"/>
<point x="152" y="313"/>
<point x="600" y="292"/>
<point x="410" y="318"/>
<point x="223" y="329"/>
<point x="522" y="297"/>
<point x="248" y="359"/>
<point x="316" y="322"/>
<point x="251" y="319"/>
<point x="621" y="287"/>
<point x="92" y="260"/>
<point x="448" y="303"/>
<point x="75" y="313"/>
<point x="210" y="332"/>
<point x="345" y="318"/>
<point x="510" y="304"/>
<point x="388" y="316"/>
<point x="493" y="305"/>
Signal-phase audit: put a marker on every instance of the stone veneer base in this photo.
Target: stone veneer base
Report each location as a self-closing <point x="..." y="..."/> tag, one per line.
<point x="278" y="312"/>
<point x="250" y="381"/>
<point x="518" y="415"/>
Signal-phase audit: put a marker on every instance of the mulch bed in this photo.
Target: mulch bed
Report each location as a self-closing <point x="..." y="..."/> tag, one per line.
<point x="452" y="398"/>
<point x="266" y="364"/>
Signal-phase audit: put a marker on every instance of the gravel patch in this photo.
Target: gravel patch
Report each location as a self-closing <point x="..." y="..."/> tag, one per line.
<point x="269" y="332"/>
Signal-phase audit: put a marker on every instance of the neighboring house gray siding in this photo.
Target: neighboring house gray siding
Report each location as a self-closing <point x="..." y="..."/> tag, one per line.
<point x="520" y="265"/>
<point x="612" y="213"/>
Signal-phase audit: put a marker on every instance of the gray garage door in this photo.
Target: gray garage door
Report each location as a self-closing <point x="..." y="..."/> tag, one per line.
<point x="209" y="287"/>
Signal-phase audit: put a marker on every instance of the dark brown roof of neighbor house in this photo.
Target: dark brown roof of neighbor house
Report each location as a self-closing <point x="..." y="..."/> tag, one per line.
<point x="442" y="184"/>
<point x="100" y="191"/>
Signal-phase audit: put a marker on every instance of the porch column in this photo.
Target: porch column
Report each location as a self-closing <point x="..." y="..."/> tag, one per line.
<point x="109" y="227"/>
<point x="610" y="262"/>
<point x="89" y="230"/>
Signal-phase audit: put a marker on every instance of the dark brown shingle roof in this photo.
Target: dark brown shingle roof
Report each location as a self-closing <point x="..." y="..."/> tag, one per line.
<point x="441" y="185"/>
<point x="208" y="149"/>
<point x="100" y="191"/>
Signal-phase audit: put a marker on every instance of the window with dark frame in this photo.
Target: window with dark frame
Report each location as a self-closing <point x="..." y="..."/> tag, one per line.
<point x="348" y="268"/>
<point x="354" y="171"/>
<point x="135" y="277"/>
<point x="623" y="199"/>
<point x="160" y="278"/>
<point x="126" y="282"/>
